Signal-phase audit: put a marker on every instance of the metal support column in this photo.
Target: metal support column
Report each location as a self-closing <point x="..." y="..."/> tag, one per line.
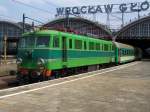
<point x="5" y="49"/>
<point x="23" y="23"/>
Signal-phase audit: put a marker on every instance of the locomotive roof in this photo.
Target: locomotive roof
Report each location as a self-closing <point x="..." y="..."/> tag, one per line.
<point x="48" y="32"/>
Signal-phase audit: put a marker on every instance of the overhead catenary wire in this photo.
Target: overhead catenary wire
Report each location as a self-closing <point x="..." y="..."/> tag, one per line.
<point x="35" y="20"/>
<point x="50" y="3"/>
<point x="33" y="7"/>
<point x="76" y="15"/>
<point x="40" y="9"/>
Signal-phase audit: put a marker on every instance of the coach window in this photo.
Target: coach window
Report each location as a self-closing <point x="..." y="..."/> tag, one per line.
<point x="102" y="47"/>
<point x="122" y="52"/>
<point x="110" y="47"/>
<point x="113" y="47"/>
<point x="97" y="46"/>
<point x="91" y="46"/>
<point x="85" y="45"/>
<point x="125" y="52"/>
<point x="70" y="43"/>
<point x="105" y="47"/>
<point x="55" y="42"/>
<point x="78" y="44"/>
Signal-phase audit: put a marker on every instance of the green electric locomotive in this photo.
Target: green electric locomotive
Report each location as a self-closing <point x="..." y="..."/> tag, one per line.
<point x="47" y="54"/>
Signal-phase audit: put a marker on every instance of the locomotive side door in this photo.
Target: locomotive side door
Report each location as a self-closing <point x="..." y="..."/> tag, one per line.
<point x="64" y="49"/>
<point x="119" y="55"/>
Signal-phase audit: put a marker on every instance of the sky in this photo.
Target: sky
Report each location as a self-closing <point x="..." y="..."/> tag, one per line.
<point x="45" y="10"/>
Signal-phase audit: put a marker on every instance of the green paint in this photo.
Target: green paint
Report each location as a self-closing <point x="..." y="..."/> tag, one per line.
<point x="105" y="53"/>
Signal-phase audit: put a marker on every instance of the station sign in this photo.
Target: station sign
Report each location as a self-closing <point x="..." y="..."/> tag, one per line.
<point x="109" y="8"/>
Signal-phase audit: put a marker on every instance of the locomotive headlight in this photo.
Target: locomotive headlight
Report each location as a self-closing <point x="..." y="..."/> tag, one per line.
<point x="19" y="61"/>
<point x="41" y="62"/>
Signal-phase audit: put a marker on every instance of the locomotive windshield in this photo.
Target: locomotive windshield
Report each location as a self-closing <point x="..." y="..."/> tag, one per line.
<point x="26" y="42"/>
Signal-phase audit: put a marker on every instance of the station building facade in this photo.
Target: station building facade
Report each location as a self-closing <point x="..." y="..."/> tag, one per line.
<point x="13" y="32"/>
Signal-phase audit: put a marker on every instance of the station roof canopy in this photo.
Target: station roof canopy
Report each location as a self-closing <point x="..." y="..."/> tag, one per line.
<point x="11" y="29"/>
<point x="81" y="25"/>
<point x="10" y="23"/>
<point x="138" y="29"/>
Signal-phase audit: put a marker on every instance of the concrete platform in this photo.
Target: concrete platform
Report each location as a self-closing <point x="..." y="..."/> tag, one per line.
<point x="123" y="88"/>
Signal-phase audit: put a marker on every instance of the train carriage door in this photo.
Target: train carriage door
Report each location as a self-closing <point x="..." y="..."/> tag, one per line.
<point x="117" y="57"/>
<point x="64" y="49"/>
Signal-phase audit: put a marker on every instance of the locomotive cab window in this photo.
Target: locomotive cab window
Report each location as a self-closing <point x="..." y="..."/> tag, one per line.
<point x="43" y="41"/>
<point x="27" y="42"/>
<point x="22" y="42"/>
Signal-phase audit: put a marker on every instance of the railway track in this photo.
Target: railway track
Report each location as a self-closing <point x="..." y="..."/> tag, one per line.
<point x="8" y="81"/>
